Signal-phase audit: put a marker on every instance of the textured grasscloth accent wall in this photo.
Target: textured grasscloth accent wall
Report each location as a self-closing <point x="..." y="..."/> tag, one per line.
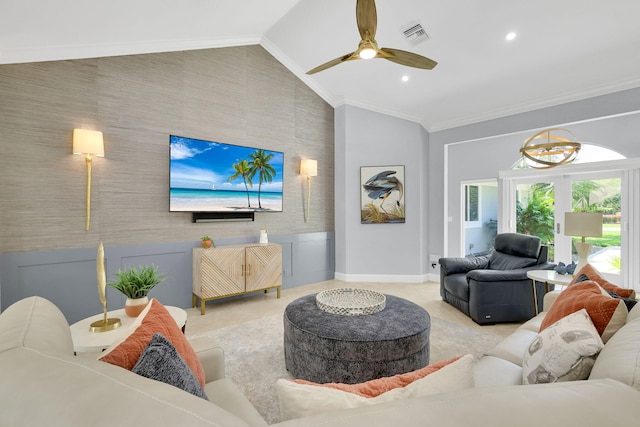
<point x="238" y="95"/>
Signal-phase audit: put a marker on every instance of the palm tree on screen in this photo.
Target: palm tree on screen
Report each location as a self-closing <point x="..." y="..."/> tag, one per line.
<point x="243" y="169"/>
<point x="260" y="164"/>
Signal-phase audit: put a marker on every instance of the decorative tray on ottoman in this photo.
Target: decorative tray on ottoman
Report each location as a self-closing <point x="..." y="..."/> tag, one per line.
<point x="350" y="301"/>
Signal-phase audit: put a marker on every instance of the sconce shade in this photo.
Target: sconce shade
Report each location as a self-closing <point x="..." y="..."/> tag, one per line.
<point x="309" y="167"/>
<point x="88" y="142"/>
<point x="583" y="224"/>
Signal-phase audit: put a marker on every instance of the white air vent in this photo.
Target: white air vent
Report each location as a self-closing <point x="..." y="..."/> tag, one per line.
<point x="415" y="33"/>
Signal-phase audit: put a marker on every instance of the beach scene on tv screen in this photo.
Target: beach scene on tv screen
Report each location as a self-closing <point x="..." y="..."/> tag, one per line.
<point x="208" y="176"/>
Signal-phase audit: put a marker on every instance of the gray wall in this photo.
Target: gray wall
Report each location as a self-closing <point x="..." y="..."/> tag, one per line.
<point x="67" y="277"/>
<point x="496" y="143"/>
<point x="237" y="95"/>
<point x="380" y="252"/>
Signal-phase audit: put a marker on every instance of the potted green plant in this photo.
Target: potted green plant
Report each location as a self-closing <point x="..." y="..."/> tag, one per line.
<point x="135" y="284"/>
<point x="206" y="242"/>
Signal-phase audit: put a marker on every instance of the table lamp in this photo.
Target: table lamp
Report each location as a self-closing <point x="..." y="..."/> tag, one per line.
<point x="583" y="224"/>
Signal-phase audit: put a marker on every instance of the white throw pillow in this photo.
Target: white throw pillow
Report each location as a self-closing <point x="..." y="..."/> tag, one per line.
<point x="300" y="400"/>
<point x="564" y="351"/>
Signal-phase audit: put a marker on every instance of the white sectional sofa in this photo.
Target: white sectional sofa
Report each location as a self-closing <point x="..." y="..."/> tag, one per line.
<point x="619" y="359"/>
<point x="42" y="383"/>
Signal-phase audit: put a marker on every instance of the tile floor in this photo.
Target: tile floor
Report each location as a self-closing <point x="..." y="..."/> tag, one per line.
<point x="227" y="312"/>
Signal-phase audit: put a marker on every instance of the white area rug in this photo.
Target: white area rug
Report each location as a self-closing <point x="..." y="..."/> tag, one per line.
<point x="254" y="355"/>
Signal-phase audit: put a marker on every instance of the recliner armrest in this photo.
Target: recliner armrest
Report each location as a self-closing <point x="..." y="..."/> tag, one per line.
<point x="507" y="275"/>
<point x="211" y="355"/>
<point x="462" y="265"/>
<point x="497" y="275"/>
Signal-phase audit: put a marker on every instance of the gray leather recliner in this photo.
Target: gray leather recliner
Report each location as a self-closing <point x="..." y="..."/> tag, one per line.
<point x="495" y="288"/>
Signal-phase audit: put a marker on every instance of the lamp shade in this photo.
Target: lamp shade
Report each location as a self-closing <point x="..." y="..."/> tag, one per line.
<point x="583" y="224"/>
<point x="309" y="167"/>
<point x="88" y="142"/>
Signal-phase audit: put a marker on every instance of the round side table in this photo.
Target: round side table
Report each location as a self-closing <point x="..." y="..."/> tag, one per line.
<point x="85" y="341"/>
<point x="548" y="277"/>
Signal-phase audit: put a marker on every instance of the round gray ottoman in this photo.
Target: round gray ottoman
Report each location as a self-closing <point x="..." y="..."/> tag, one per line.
<point x="324" y="347"/>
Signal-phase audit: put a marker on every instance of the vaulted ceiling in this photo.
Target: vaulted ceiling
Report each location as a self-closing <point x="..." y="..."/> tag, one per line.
<point x="563" y="51"/>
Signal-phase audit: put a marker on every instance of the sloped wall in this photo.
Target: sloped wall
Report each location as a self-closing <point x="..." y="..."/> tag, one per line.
<point x="238" y="95"/>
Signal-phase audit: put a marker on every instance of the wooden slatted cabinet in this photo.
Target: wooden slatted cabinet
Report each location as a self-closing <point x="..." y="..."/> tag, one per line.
<point x="234" y="270"/>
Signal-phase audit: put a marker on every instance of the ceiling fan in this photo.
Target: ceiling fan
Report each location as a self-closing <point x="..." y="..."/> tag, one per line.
<point x="368" y="48"/>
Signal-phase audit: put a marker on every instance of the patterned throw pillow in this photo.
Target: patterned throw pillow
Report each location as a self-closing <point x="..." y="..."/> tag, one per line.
<point x="161" y="361"/>
<point x="154" y="319"/>
<point x="608" y="314"/>
<point x="565" y="351"/>
<point x="302" y="398"/>
<point x="594" y="275"/>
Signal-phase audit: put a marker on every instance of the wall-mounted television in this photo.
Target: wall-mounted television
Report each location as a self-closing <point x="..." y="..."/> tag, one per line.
<point x="208" y="176"/>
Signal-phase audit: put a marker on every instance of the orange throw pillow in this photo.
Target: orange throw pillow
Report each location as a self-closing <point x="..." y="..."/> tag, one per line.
<point x="154" y="319"/>
<point x="373" y="388"/>
<point x="607" y="314"/>
<point x="595" y="275"/>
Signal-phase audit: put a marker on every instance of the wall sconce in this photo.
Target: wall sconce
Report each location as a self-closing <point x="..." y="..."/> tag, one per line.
<point x="88" y="143"/>
<point x="309" y="168"/>
<point x="583" y="224"/>
<point x="545" y="150"/>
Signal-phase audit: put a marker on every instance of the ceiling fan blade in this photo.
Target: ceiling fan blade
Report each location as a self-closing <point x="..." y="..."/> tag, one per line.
<point x="409" y="59"/>
<point x="334" y="62"/>
<point x="367" y="18"/>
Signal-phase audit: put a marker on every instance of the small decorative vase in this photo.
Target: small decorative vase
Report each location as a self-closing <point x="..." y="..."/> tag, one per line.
<point x="206" y="243"/>
<point x="134" y="306"/>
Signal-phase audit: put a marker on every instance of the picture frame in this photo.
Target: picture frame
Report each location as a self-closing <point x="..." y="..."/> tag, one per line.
<point x="382" y="194"/>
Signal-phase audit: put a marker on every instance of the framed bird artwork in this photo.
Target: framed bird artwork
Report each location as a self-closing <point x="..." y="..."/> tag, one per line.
<point x="381" y="194"/>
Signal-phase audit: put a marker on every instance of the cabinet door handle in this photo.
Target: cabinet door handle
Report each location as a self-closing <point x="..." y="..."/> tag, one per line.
<point x="248" y="270"/>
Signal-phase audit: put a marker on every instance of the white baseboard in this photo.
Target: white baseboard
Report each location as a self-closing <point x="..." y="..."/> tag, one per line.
<point x="384" y="278"/>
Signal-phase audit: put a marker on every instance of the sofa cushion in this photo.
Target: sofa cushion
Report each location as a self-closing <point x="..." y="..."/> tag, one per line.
<point x="68" y="391"/>
<point x="608" y="314"/>
<point x="491" y="371"/>
<point x="161" y="361"/>
<point x="35" y="323"/>
<point x="299" y="399"/>
<point x="634" y="313"/>
<point x="565" y="351"/>
<point x="513" y="347"/>
<point x="593" y="274"/>
<point x="153" y="319"/>
<point x="620" y="357"/>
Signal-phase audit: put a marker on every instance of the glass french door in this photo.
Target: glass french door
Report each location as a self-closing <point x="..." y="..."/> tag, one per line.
<point x="601" y="194"/>
<point x="535" y="211"/>
<point x="537" y="206"/>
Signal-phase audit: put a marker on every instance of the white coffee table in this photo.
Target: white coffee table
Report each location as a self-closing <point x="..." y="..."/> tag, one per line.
<point x="548" y="277"/>
<point x="85" y="341"/>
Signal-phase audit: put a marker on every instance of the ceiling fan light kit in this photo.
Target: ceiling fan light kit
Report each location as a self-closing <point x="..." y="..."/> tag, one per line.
<point x="367" y="20"/>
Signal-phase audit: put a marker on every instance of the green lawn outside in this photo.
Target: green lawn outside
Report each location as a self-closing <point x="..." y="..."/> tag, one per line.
<point x="610" y="236"/>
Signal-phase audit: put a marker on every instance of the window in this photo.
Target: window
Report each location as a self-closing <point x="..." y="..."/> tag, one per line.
<point x="472" y="204"/>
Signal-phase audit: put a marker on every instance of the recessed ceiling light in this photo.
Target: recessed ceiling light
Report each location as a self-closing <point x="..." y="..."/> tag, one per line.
<point x="510" y="36"/>
<point x="405" y="78"/>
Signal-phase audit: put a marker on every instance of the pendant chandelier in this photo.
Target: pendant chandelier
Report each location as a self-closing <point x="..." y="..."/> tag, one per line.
<point x="545" y="149"/>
